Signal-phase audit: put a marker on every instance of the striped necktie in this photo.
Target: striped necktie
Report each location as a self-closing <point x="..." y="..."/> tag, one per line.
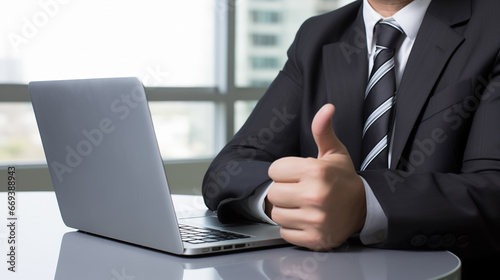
<point x="379" y="97"/>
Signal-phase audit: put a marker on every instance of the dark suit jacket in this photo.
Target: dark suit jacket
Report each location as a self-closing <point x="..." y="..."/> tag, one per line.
<point x="443" y="191"/>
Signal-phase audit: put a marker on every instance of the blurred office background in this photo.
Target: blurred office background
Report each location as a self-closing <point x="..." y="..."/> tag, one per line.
<point x="204" y="64"/>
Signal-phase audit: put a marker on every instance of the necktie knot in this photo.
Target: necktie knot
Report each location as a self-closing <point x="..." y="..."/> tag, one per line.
<point x="388" y="34"/>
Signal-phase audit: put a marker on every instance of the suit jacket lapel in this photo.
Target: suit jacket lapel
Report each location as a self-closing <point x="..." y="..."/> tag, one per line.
<point x="435" y="44"/>
<point x="346" y="74"/>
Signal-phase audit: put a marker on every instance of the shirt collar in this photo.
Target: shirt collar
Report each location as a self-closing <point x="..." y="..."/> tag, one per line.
<point x="409" y="18"/>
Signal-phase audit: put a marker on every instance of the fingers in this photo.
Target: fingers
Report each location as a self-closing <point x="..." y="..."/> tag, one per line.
<point x="290" y="218"/>
<point x="287" y="173"/>
<point x="294" y="226"/>
<point x="308" y="238"/>
<point x="305" y="231"/>
<point x="288" y="169"/>
<point x="285" y="195"/>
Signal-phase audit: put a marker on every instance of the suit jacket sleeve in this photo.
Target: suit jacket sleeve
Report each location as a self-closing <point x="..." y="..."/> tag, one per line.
<point x="270" y="132"/>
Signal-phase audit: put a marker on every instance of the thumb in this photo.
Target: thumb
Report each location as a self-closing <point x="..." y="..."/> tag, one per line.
<point x="323" y="133"/>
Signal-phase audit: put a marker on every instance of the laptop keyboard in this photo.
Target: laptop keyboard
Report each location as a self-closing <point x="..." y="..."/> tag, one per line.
<point x="198" y="235"/>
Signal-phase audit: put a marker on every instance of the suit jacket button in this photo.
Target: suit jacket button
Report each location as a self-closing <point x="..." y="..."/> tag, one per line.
<point x="448" y="240"/>
<point x="418" y="240"/>
<point x="463" y="241"/>
<point x="435" y="241"/>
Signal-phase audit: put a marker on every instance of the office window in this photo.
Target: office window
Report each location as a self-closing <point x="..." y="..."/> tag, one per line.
<point x="183" y="129"/>
<point x="264" y="40"/>
<point x="263" y="62"/>
<point x="204" y="63"/>
<point x="166" y="43"/>
<point x="19" y="138"/>
<point x="243" y="109"/>
<point x="265" y="16"/>
<point x="266" y="21"/>
<point x="260" y="83"/>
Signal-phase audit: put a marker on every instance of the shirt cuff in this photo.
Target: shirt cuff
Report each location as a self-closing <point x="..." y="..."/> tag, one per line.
<point x="375" y="229"/>
<point x="255" y="205"/>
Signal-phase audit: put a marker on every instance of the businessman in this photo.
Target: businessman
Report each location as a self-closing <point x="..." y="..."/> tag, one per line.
<point x="384" y="122"/>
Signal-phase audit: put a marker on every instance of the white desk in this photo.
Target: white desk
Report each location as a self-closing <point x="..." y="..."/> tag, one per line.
<point x="46" y="249"/>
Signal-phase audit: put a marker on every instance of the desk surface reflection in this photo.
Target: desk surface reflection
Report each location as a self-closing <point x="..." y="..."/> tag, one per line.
<point x="48" y="249"/>
<point x="85" y="256"/>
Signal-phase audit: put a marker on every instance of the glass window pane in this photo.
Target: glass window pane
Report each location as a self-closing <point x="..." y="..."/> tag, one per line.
<point x="242" y="110"/>
<point x="19" y="138"/>
<point x="165" y="43"/>
<point x="184" y="130"/>
<point x="264" y="31"/>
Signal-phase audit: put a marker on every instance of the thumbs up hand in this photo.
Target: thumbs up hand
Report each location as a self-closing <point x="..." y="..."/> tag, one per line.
<point x="318" y="202"/>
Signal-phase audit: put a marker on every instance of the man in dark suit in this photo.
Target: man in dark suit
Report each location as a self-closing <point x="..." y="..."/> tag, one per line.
<point x="440" y="187"/>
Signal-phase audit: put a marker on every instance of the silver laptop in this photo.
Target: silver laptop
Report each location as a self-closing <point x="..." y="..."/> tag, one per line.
<point x="108" y="173"/>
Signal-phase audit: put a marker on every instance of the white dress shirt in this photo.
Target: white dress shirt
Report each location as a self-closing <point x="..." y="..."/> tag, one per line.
<point x="409" y="18"/>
